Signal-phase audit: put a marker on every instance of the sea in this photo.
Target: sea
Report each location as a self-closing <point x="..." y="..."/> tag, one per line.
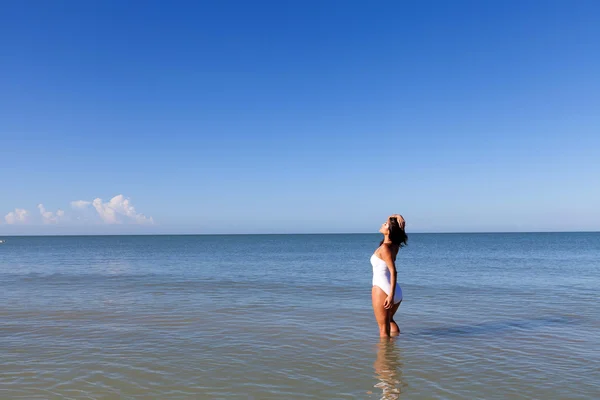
<point x="484" y="316"/>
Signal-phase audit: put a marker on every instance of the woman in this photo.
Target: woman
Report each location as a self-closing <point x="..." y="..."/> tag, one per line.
<point x="385" y="300"/>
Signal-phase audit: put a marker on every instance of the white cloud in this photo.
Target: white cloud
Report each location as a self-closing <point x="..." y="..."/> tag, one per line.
<point x="80" y="204"/>
<point x="48" y="217"/>
<point x="119" y="210"/>
<point x="19" y="216"/>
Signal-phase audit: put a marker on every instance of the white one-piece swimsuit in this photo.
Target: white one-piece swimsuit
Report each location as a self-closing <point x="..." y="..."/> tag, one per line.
<point x="381" y="278"/>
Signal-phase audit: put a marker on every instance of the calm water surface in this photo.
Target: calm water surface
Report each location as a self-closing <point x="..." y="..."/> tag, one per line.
<point x="289" y="317"/>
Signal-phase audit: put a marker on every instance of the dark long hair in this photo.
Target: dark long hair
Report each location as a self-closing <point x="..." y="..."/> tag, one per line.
<point x="397" y="234"/>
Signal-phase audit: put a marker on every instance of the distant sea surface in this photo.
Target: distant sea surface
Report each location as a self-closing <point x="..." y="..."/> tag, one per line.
<point x="489" y="316"/>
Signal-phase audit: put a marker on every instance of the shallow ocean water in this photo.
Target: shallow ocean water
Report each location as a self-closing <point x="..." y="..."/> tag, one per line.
<point x="289" y="316"/>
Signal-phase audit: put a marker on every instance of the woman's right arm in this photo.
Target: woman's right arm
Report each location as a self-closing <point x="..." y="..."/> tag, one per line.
<point x="400" y="220"/>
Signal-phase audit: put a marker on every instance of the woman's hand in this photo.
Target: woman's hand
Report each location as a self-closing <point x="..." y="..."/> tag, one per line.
<point x="389" y="302"/>
<point x="400" y="220"/>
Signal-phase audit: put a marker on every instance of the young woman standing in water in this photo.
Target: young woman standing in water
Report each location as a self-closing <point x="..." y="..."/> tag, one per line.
<point x="385" y="300"/>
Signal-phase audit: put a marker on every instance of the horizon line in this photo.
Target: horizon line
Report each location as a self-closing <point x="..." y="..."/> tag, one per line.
<point x="291" y="234"/>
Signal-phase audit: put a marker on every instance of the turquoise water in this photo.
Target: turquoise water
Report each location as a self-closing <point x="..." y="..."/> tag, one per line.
<point x="272" y="317"/>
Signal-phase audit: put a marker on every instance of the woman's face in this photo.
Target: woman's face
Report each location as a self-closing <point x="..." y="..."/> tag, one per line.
<point x="385" y="228"/>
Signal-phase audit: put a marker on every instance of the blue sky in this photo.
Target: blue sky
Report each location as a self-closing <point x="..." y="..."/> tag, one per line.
<point x="299" y="116"/>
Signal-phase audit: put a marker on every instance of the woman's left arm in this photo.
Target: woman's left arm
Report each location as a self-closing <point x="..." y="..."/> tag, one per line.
<point x="388" y="257"/>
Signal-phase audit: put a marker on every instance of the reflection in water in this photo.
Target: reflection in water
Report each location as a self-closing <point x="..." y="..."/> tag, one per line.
<point x="388" y="370"/>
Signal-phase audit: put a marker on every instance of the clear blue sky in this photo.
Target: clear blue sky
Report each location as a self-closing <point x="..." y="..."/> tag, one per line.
<point x="299" y="116"/>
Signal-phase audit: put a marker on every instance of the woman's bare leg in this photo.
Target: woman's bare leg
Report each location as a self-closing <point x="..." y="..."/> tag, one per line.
<point x="394" y="329"/>
<point x="382" y="316"/>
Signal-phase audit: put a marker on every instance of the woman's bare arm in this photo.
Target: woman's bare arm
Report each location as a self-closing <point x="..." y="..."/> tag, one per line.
<point x="387" y="255"/>
<point x="400" y="220"/>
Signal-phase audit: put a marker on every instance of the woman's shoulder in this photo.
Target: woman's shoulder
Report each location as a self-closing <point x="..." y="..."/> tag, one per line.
<point x="385" y="248"/>
<point x="389" y="248"/>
